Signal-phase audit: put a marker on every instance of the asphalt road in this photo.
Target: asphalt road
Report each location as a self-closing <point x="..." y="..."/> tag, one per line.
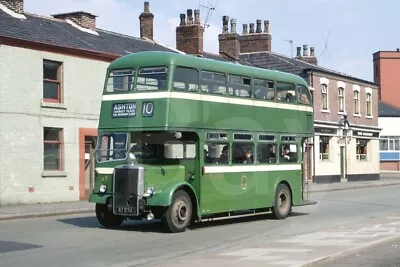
<point x="80" y="241"/>
<point x="384" y="254"/>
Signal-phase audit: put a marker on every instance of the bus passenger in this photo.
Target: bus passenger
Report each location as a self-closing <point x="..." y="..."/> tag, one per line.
<point x="248" y="156"/>
<point x="224" y="157"/>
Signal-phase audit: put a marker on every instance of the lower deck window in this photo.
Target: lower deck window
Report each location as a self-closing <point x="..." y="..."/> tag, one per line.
<point x="288" y="153"/>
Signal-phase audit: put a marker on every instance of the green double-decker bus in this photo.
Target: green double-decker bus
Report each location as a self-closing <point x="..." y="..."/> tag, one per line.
<point x="183" y="138"/>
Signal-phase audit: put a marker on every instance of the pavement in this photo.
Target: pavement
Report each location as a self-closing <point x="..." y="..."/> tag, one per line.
<point x="79" y="207"/>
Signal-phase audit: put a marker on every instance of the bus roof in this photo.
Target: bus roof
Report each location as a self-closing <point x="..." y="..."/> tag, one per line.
<point x="159" y="58"/>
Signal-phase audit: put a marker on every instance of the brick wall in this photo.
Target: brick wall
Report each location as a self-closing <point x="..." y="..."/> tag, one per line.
<point x="390" y="165"/>
<point x="15" y="5"/>
<point x="386" y="66"/>
<point x="333" y="114"/>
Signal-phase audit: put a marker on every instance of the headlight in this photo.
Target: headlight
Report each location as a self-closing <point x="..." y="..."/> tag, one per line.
<point x="150" y="191"/>
<point x="103" y="188"/>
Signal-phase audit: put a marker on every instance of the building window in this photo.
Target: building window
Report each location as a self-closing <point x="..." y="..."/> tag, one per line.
<point x="341" y="99"/>
<point x="52" y="81"/>
<point x="356" y="102"/>
<point x="53" y="146"/>
<point x="369" y="104"/>
<point x="324" y="147"/>
<point x="361" y="149"/>
<point x="324" y="92"/>
<point x="389" y="143"/>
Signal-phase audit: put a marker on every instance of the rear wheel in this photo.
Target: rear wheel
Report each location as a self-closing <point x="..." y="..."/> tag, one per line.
<point x="283" y="202"/>
<point x="179" y="214"/>
<point x="106" y="217"/>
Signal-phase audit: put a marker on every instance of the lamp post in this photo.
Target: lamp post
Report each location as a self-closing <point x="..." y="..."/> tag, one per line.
<point x="343" y="140"/>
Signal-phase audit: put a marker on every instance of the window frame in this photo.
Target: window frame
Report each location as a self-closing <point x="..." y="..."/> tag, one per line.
<point x="368" y="102"/>
<point x="324" y="97"/>
<point x="186" y="90"/>
<point x="59" y="142"/>
<point x="267" y="89"/>
<point x="342" y="100"/>
<point x="59" y="82"/>
<point x="136" y="82"/>
<point x="321" y="155"/>
<point x="203" y="91"/>
<point x="358" y="145"/>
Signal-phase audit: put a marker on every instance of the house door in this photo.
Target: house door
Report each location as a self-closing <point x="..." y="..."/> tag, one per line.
<point x="86" y="161"/>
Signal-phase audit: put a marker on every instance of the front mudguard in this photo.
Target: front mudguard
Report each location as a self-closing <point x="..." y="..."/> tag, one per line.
<point x="99" y="198"/>
<point x="163" y="197"/>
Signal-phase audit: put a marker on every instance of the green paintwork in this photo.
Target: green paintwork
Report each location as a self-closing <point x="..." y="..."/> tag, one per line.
<point x="214" y="192"/>
<point x="99" y="198"/>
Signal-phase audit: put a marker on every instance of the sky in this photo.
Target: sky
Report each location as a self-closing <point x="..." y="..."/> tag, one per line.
<point x="345" y="33"/>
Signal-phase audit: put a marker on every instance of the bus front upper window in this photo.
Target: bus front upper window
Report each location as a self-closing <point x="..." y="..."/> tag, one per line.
<point x="111" y="147"/>
<point x="151" y="79"/>
<point x="120" y="81"/>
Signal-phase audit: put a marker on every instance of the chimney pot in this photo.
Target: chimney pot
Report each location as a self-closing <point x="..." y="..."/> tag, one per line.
<point x="146" y="7"/>
<point x="305" y="50"/>
<point x="183" y="20"/>
<point x="251" y="27"/>
<point x="197" y="16"/>
<point x="298" y="52"/>
<point x="258" y="29"/>
<point x="189" y="17"/>
<point x="233" y="25"/>
<point x="312" y="51"/>
<point x="225" y="21"/>
<point x="245" y="29"/>
<point x="266" y="26"/>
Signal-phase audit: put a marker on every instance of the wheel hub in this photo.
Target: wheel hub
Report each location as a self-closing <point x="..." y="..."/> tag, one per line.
<point x="181" y="211"/>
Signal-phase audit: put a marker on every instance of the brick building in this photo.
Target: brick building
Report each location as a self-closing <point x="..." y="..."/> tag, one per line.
<point x="346" y="144"/>
<point x="386" y="68"/>
<point x="51" y="79"/>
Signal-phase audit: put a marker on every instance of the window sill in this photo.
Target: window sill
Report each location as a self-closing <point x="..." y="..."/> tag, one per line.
<point x="45" y="104"/>
<point x="357" y="115"/>
<point x="369" y="117"/>
<point x="325" y="111"/>
<point x="54" y="174"/>
<point x="342" y="113"/>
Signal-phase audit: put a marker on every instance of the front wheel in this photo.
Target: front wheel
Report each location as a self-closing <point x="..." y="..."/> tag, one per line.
<point x="106" y="217"/>
<point x="178" y="215"/>
<point x="283" y="202"/>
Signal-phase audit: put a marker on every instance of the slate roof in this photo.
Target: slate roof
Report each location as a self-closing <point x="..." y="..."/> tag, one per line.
<point x="58" y="32"/>
<point x="275" y="61"/>
<point x="388" y="110"/>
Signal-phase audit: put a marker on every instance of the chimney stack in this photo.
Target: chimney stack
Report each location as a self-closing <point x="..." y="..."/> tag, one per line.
<point x="83" y="19"/>
<point x="146" y="22"/>
<point x="229" y="45"/>
<point x="258" y="41"/>
<point x="189" y="34"/>
<point x="311" y="59"/>
<point x="15" y="5"/>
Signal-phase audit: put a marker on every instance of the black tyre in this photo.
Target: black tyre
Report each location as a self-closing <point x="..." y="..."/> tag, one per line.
<point x="283" y="202"/>
<point x="106" y="217"/>
<point x="179" y="214"/>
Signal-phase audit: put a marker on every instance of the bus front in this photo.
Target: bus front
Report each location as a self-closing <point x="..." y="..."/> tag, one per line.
<point x="143" y="168"/>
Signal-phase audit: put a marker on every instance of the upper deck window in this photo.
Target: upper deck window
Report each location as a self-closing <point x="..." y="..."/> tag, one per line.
<point x="263" y="89"/>
<point x="186" y="79"/>
<point x="213" y="83"/>
<point x="304" y="95"/>
<point x="120" y="81"/>
<point x="150" y="79"/>
<point x="239" y="86"/>
<point x="286" y="92"/>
